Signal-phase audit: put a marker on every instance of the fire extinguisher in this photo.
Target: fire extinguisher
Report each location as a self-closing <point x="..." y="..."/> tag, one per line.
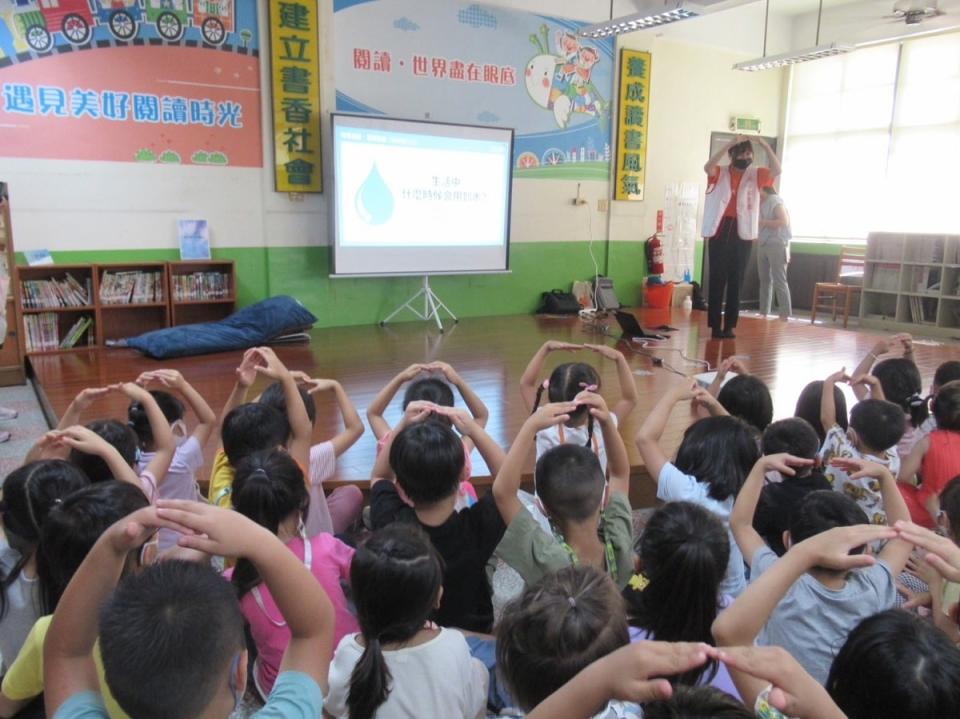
<point x="654" y="251"/>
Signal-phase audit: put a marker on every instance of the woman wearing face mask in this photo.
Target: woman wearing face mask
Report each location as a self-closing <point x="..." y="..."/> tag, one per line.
<point x="181" y="478"/>
<point x="731" y="220"/>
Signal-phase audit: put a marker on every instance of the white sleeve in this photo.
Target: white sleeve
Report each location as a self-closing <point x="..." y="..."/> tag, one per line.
<point x="191" y="454"/>
<point x="675" y="486"/>
<point x="323" y="462"/>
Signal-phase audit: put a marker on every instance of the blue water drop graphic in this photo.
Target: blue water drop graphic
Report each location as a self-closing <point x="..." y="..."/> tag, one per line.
<point x="374" y="201"/>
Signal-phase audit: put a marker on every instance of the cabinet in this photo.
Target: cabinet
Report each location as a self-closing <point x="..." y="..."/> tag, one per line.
<point x="66" y="308"/>
<point x="912" y="283"/>
<point x="11" y="344"/>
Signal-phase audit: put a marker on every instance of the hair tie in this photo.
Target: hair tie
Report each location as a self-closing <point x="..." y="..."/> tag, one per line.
<point x="572" y="602"/>
<point x="546" y="384"/>
<point x="57" y="500"/>
<point x="259" y="471"/>
<point x="588" y="387"/>
<point x="130" y="423"/>
<point x="915" y="400"/>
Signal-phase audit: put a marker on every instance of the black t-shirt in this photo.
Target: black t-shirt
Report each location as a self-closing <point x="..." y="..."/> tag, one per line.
<point x="777" y="504"/>
<point x="465" y="541"/>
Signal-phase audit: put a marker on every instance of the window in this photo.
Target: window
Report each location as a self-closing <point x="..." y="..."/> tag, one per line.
<point x="873" y="141"/>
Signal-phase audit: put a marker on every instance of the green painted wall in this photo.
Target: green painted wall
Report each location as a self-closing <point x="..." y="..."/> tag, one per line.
<point x="304" y="273"/>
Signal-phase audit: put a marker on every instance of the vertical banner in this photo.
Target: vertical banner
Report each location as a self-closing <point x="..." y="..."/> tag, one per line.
<point x="295" y="81"/>
<point x="634" y="105"/>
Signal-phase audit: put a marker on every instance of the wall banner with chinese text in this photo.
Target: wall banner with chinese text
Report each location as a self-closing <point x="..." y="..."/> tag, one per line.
<point x="166" y="81"/>
<point x="634" y="121"/>
<point x="295" y="80"/>
<point x="475" y="64"/>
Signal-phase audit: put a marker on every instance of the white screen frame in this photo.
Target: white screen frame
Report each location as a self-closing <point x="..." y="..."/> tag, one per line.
<point x="405" y="261"/>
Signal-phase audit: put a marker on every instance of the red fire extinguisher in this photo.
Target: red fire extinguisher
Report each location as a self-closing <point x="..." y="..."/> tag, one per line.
<point x="654" y="251"/>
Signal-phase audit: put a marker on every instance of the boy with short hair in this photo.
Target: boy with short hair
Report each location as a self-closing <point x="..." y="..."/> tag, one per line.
<point x="172" y="637"/>
<point x="427" y="459"/>
<point x="574" y="496"/>
<point x="782" y="495"/>
<point x="876" y="427"/>
<point x="810" y="599"/>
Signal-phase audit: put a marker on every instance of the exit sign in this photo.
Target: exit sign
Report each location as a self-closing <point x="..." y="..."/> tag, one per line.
<point x="745" y="124"/>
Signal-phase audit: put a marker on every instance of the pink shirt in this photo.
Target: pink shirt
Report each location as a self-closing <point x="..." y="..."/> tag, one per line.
<point x="330" y="563"/>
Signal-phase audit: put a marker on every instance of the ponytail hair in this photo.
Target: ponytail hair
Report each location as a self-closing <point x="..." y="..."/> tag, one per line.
<point x="684" y="552"/>
<point x="30" y="492"/>
<point x="902" y="385"/>
<point x="566" y="382"/>
<point x="139" y="422"/>
<point x="267" y="489"/>
<point x="396" y="576"/>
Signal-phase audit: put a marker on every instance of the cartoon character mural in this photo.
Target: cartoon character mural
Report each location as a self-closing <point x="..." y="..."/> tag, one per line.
<point x="562" y="82"/>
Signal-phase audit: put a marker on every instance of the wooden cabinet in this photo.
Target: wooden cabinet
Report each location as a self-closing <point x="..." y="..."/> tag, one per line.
<point x="67" y="308"/>
<point x="11" y="344"/>
<point x="912" y="283"/>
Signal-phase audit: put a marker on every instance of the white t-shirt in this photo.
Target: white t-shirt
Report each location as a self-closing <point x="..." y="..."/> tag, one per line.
<point x="675" y="486"/>
<point x="323" y="464"/>
<point x="180" y="481"/>
<point x="560" y="434"/>
<point x="438" y="678"/>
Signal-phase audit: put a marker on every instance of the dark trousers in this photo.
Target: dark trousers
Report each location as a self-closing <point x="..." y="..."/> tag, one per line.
<point x="728" y="258"/>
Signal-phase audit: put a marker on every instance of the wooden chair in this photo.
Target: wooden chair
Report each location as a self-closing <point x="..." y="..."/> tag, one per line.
<point x="845" y="288"/>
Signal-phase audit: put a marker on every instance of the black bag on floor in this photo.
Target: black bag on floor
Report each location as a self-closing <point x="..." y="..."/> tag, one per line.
<point x="558" y="302"/>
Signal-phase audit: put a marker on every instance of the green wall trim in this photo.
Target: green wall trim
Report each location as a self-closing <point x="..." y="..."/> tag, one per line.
<point x="304" y="273"/>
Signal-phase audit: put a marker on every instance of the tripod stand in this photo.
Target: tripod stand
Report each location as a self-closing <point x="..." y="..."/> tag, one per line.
<point x="431" y="306"/>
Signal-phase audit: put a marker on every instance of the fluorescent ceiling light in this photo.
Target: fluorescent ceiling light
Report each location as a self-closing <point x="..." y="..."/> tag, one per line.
<point x="770" y="62"/>
<point x="654" y="14"/>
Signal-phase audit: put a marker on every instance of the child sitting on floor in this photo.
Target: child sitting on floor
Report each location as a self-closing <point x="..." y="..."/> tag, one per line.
<point x="714" y="457"/>
<point x="935" y="459"/>
<point x="401" y="664"/>
<point x="426" y="456"/>
<point x="337" y="512"/>
<point x="590" y="520"/>
<point x="566" y="382"/>
<point x="436" y="390"/>
<point x="681" y="559"/>
<point x="809" y="600"/>
<point x="269" y="489"/>
<point x="172" y="636"/>
<point x="875" y="428"/>
<point x="252" y="427"/>
<point x="572" y="618"/>
<point x="181" y="479"/>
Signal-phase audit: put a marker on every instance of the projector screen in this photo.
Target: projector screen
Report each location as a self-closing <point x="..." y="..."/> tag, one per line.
<point x="420" y="198"/>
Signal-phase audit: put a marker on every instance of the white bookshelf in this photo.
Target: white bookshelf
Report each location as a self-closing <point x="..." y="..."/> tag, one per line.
<point x="912" y="283"/>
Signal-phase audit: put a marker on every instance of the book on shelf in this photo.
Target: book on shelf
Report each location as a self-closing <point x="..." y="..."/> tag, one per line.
<point x="43" y="332"/>
<point x="132" y="287"/>
<point x="55" y="292"/>
<point x="201" y="286"/>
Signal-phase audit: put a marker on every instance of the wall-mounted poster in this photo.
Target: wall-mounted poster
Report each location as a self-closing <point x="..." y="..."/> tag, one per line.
<point x="479" y="64"/>
<point x="168" y="81"/>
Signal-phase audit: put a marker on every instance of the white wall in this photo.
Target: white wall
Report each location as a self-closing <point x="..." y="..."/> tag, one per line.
<point x="64" y="205"/>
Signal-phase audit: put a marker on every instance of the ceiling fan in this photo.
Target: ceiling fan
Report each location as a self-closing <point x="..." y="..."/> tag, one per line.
<point x="913" y="12"/>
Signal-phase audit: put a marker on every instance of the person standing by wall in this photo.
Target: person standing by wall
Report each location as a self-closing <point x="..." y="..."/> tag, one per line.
<point x="773" y="253"/>
<point x="731" y="220"/>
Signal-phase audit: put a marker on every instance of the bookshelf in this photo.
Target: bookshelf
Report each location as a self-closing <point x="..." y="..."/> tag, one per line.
<point x="201" y="291"/>
<point x="11" y="344"/>
<point x="912" y="283"/>
<point x="52" y="301"/>
<point x="64" y="308"/>
<point x="131" y="299"/>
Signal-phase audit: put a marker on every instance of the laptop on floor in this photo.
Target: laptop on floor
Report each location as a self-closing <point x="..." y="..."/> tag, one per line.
<point x="631" y="328"/>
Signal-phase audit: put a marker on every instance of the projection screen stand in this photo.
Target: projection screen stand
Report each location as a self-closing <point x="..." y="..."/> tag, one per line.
<point x="431" y="306"/>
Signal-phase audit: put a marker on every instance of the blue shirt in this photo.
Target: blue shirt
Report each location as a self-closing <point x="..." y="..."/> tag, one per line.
<point x="295" y="696"/>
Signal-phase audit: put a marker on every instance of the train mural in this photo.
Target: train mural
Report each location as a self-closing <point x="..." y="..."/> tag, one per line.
<point x="37" y="21"/>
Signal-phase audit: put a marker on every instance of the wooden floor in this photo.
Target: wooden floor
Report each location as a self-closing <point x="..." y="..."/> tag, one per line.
<point x="491" y="354"/>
